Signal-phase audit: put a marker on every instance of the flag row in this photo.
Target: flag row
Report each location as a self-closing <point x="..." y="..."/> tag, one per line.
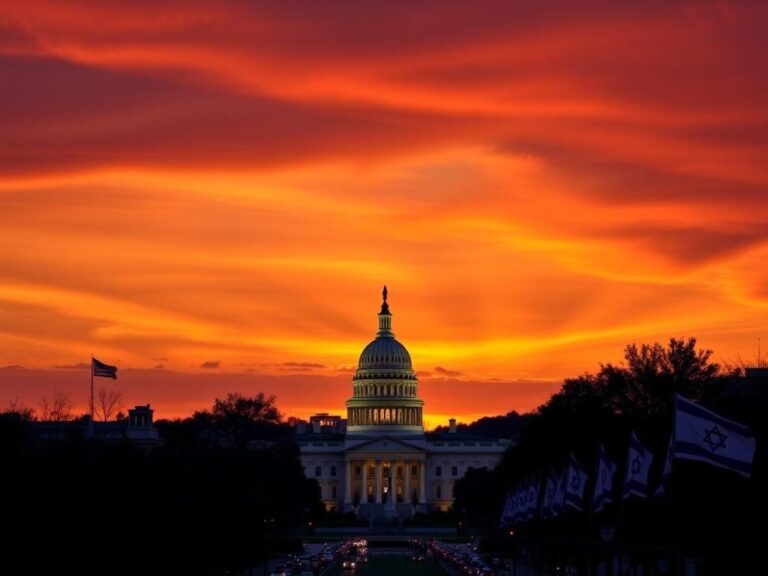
<point x="697" y="434"/>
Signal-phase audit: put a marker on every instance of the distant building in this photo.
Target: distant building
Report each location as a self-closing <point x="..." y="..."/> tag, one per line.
<point x="379" y="461"/>
<point x="138" y="429"/>
<point x="746" y="396"/>
<point x="754" y="384"/>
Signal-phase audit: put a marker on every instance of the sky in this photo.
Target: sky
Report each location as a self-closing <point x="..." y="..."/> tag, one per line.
<point x="211" y="195"/>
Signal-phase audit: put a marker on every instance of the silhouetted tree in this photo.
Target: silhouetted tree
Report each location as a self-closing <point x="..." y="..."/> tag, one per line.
<point x="643" y="386"/>
<point x="244" y="418"/>
<point x="17" y="407"/>
<point x="652" y="374"/>
<point x="107" y="403"/>
<point x="57" y="410"/>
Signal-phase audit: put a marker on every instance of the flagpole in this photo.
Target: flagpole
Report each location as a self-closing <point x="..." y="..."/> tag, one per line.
<point x="672" y="527"/>
<point x="91" y="387"/>
<point x="620" y="548"/>
<point x="591" y="512"/>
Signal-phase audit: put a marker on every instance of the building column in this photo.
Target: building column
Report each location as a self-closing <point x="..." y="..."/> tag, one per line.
<point x="348" y="482"/>
<point x="378" y="482"/>
<point x="407" y="481"/>
<point x="422" y="483"/>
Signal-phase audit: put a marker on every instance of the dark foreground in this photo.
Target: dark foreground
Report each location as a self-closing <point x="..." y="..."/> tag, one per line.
<point x="392" y="565"/>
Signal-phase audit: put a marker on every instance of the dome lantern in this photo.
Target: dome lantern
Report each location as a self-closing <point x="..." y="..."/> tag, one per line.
<point x="385" y="318"/>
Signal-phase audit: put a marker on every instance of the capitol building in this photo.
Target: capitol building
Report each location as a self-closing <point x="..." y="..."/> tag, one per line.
<point x="379" y="462"/>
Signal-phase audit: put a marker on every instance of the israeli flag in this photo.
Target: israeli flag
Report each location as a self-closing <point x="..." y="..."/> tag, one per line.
<point x="550" y="489"/>
<point x="521" y="497"/>
<point x="666" y="474"/>
<point x="702" y="435"/>
<point x="606" y="469"/>
<point x="506" y="514"/>
<point x="532" y="502"/>
<point x="576" y="482"/>
<point x="638" y="466"/>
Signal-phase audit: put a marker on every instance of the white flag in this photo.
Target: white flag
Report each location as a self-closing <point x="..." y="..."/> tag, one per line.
<point x="606" y="469"/>
<point x="702" y="435"/>
<point x="638" y="466"/>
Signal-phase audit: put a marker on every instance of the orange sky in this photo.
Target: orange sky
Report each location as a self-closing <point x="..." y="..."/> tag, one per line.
<point x="210" y="195"/>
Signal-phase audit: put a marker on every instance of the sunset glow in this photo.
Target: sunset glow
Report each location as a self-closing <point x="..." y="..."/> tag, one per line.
<point x="211" y="197"/>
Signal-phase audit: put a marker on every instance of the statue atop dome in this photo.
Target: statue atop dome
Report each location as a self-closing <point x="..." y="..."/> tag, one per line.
<point x="384" y="305"/>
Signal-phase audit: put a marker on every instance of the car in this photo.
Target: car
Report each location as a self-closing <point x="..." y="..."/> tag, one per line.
<point x="417" y="558"/>
<point x="348" y="564"/>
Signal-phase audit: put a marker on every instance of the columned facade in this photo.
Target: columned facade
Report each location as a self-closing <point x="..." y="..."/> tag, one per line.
<point x="377" y="480"/>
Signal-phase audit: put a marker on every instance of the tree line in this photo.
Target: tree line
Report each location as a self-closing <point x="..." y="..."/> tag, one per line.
<point x="713" y="508"/>
<point x="225" y="489"/>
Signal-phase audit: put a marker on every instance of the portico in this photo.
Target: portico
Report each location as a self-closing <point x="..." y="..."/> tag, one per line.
<point x="384" y="470"/>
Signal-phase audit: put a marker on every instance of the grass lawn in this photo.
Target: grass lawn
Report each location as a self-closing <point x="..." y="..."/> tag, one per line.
<point x="392" y="566"/>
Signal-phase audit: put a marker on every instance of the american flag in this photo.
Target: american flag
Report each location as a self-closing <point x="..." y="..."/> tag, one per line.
<point x="103" y="370"/>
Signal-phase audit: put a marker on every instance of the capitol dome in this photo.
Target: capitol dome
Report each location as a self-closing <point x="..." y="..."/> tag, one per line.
<point x="384" y="388"/>
<point x="385" y="353"/>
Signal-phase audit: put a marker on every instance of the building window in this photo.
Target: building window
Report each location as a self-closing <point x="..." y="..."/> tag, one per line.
<point x="333" y="492"/>
<point x="454" y="471"/>
<point x="438" y="492"/>
<point x="358" y="470"/>
<point x="438" y="471"/>
<point x="333" y="470"/>
<point x="318" y="470"/>
<point x="413" y="471"/>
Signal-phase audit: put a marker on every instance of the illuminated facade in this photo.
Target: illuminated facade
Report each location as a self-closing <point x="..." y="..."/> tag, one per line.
<point x="380" y="462"/>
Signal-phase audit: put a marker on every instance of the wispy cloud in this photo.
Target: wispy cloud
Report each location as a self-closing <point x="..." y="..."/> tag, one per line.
<point x="78" y="366"/>
<point x="303" y="365"/>
<point x="445" y="372"/>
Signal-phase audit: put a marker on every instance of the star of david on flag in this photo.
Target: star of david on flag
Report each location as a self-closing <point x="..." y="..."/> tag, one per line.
<point x="702" y="435"/>
<point x="532" y="502"/>
<point x="604" y="481"/>
<point x="575" y="483"/>
<point x="639" y="461"/>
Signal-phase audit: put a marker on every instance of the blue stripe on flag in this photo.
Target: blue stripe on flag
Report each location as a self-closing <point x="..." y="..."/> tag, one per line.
<point x="695" y="452"/>
<point x="685" y="405"/>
